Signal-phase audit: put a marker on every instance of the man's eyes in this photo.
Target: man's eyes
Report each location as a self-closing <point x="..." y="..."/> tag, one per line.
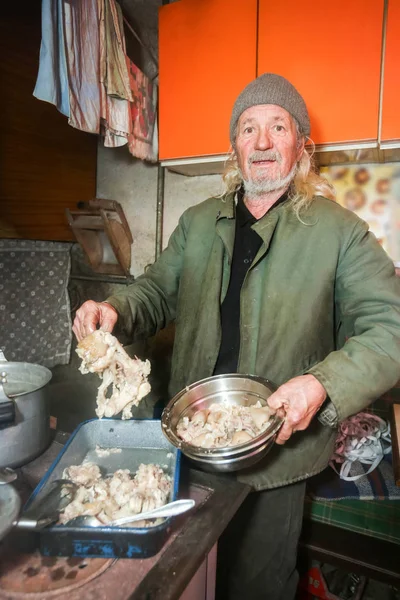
<point x="278" y="128"/>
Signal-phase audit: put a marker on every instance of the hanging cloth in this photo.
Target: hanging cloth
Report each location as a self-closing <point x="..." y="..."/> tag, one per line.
<point x="143" y="112"/>
<point x="52" y="80"/>
<point x="81" y="22"/>
<point x="85" y="72"/>
<point x="116" y="77"/>
<point x="114" y="111"/>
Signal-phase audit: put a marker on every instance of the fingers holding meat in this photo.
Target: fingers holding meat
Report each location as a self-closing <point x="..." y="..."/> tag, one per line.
<point x="300" y="398"/>
<point x="92" y="314"/>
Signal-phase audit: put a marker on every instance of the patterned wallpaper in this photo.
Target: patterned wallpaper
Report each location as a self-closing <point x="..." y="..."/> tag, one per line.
<point x="35" y="320"/>
<point x="373" y="193"/>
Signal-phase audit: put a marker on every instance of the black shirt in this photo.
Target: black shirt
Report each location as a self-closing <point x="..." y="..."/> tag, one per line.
<point x="246" y="245"/>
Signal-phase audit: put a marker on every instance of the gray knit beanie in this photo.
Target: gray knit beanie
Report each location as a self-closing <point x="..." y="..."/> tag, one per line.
<point x="270" y="89"/>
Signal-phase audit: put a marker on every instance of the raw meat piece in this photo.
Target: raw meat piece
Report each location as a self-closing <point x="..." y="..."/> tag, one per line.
<point x="102" y="353"/>
<point x="120" y="495"/>
<point x="224" y="425"/>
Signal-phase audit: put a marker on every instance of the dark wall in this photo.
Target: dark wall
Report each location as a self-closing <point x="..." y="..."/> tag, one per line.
<point x="45" y="165"/>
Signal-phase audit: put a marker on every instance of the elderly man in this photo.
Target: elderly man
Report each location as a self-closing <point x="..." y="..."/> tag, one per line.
<point x="277" y="280"/>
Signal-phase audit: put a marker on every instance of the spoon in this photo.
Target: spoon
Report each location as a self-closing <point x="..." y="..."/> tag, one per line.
<point x="171" y="509"/>
<point x="7" y="475"/>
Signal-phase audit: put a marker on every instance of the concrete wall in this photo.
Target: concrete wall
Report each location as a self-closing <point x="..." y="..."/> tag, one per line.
<point x="132" y="182"/>
<point x="182" y="192"/>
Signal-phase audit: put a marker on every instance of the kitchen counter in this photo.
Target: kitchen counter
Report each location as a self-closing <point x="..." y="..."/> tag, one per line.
<point x="164" y="576"/>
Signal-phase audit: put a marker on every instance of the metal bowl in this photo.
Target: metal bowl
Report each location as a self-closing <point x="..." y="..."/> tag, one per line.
<point x="244" y="390"/>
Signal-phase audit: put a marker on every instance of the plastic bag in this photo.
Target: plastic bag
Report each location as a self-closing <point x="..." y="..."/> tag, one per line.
<point x="365" y="438"/>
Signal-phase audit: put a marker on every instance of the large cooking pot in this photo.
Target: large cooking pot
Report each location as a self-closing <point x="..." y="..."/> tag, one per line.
<point x="24" y="412"/>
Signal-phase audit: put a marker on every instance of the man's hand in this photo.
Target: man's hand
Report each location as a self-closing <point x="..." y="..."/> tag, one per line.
<point x="300" y="398"/>
<point x="91" y="314"/>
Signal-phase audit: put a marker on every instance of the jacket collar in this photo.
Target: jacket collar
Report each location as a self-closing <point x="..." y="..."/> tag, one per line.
<point x="227" y="210"/>
<point x="227" y="207"/>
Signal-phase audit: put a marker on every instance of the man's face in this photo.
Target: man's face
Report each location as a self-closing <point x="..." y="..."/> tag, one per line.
<point x="267" y="147"/>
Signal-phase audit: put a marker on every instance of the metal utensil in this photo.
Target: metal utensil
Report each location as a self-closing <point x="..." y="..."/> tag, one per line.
<point x="48" y="511"/>
<point x="7" y="475"/>
<point x="172" y="509"/>
<point x="228" y="389"/>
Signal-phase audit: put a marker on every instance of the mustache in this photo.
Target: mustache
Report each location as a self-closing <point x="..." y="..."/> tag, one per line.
<point x="264" y="155"/>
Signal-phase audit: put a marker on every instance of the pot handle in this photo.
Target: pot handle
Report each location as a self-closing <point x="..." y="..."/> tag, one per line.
<point x="7" y="475"/>
<point x="7" y="406"/>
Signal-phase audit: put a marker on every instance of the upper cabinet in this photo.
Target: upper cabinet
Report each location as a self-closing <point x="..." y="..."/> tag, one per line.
<point x="390" y="132"/>
<point x="207" y="54"/>
<point x="331" y="52"/>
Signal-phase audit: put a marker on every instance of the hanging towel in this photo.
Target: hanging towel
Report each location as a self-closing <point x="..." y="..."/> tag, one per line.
<point x="69" y="72"/>
<point x="116" y="79"/>
<point x="84" y="70"/>
<point x="52" y="80"/>
<point x="35" y="320"/>
<point x="143" y="115"/>
<point x="81" y="22"/>
<point x="114" y="111"/>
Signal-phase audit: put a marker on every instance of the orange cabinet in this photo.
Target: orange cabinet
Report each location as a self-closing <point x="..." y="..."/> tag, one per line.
<point x="390" y="132"/>
<point x="207" y="54"/>
<point x="331" y="52"/>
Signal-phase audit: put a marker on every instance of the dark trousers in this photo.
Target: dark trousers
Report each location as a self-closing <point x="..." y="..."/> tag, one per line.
<point x="257" y="552"/>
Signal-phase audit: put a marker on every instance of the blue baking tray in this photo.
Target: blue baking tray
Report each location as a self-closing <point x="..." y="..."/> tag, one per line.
<point x="140" y="441"/>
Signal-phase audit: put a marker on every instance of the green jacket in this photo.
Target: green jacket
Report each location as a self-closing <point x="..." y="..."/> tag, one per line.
<point x="320" y="297"/>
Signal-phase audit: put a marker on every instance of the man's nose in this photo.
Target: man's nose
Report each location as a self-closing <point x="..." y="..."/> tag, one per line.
<point x="263" y="141"/>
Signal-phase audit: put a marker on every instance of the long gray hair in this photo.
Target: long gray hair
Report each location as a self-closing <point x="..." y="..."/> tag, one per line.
<point x="306" y="183"/>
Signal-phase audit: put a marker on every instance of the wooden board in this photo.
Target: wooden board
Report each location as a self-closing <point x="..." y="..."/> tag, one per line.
<point x="46" y="165"/>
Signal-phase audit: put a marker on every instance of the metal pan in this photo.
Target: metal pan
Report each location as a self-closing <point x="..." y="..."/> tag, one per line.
<point x="140" y="441"/>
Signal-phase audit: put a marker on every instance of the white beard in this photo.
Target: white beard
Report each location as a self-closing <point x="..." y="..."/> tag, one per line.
<point x="256" y="188"/>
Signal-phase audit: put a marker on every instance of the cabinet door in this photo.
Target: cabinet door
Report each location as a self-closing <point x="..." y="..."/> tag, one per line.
<point x="207" y="54"/>
<point x="331" y="52"/>
<point x="391" y="87"/>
